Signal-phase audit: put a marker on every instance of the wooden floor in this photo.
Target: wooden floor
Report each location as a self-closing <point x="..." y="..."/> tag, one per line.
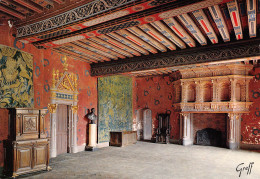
<point x="149" y="160"/>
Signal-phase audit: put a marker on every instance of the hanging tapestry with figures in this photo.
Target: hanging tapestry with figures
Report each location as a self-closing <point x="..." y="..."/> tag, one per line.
<point x="16" y="78"/>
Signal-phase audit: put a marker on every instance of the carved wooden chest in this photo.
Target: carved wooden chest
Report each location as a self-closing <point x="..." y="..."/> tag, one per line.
<point x="123" y="138"/>
<point x="27" y="148"/>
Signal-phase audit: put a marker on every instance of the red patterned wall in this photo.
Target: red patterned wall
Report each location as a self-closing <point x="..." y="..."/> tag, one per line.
<point x="156" y="93"/>
<point x="44" y="61"/>
<point x="250" y="124"/>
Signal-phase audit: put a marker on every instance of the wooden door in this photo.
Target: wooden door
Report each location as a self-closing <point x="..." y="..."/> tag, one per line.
<point x="62" y="129"/>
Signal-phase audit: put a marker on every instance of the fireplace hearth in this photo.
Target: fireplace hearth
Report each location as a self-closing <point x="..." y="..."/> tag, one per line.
<point x="209" y="137"/>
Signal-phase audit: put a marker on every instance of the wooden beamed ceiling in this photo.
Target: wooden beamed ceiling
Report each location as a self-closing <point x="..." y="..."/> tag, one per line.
<point x="143" y="28"/>
<point x="21" y="11"/>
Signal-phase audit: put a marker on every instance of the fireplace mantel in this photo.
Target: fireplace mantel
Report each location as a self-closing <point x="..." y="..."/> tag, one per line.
<point x="220" y="88"/>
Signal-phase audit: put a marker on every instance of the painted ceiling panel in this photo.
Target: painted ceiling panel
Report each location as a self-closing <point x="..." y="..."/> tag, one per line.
<point x="88" y="52"/>
<point x="119" y="45"/>
<point x="192" y="27"/>
<point x="110" y="46"/>
<point x="235" y="18"/>
<point x="168" y="33"/>
<point x="74" y="55"/>
<point x="128" y="43"/>
<point x="251" y="11"/>
<point x="137" y="40"/>
<point x="220" y="22"/>
<point x="81" y="54"/>
<point x="205" y="24"/>
<point x="95" y="50"/>
<point x="138" y="32"/>
<point x="103" y="48"/>
<point x="178" y="29"/>
<point x="147" y="28"/>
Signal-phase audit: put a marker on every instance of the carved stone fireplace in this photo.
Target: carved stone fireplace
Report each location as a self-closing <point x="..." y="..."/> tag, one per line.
<point x="213" y="89"/>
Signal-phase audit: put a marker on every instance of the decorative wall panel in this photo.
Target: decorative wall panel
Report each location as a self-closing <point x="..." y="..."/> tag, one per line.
<point x="114" y="105"/>
<point x="16" y="78"/>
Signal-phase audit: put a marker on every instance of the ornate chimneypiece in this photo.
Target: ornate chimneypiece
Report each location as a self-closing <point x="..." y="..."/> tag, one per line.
<point x="222" y="88"/>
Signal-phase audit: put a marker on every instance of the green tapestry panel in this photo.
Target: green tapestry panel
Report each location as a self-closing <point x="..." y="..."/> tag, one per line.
<point x="16" y="78"/>
<point x="114" y="105"/>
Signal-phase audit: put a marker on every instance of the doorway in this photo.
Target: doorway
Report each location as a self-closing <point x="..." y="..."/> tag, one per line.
<point x="62" y="129"/>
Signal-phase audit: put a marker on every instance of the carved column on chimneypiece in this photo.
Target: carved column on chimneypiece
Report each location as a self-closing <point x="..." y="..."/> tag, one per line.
<point x="186" y="128"/>
<point x="233" y="90"/>
<point x="233" y="130"/>
<point x="184" y="90"/>
<point x="215" y="90"/>
<point x="198" y="91"/>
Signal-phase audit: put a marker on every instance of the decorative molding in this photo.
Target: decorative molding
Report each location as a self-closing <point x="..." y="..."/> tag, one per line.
<point x="221" y="52"/>
<point x="52" y="108"/>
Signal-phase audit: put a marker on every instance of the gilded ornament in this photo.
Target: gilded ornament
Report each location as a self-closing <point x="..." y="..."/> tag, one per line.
<point x="52" y="108"/>
<point x="65" y="64"/>
<point x="74" y="109"/>
<point x="53" y="79"/>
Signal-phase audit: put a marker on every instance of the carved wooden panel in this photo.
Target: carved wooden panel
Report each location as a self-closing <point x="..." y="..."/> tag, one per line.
<point x="24" y="158"/>
<point x="40" y="155"/>
<point x="30" y="124"/>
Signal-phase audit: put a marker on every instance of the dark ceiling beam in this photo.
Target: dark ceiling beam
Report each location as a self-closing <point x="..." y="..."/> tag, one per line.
<point x="12" y="12"/>
<point x="15" y="6"/>
<point x="4" y="16"/>
<point x="59" y="1"/>
<point x="30" y="5"/>
<point x="206" y="54"/>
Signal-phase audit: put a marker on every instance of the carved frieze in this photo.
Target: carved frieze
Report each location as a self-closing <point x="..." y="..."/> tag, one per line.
<point x="238" y="50"/>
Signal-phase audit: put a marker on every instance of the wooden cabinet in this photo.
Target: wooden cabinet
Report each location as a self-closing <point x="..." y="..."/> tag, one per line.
<point x="123" y="138"/>
<point x="27" y="148"/>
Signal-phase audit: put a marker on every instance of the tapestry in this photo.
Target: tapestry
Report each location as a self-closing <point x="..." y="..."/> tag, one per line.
<point x="16" y="78"/>
<point x="114" y="106"/>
